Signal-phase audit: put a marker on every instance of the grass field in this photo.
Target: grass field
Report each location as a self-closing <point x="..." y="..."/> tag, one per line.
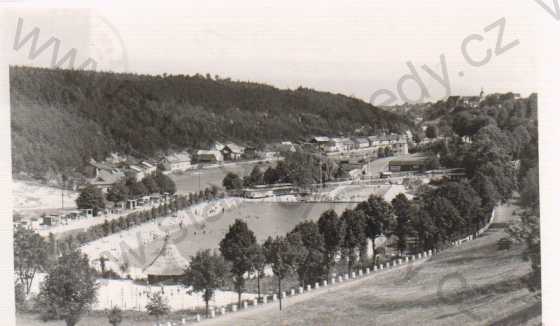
<point x="189" y="181"/>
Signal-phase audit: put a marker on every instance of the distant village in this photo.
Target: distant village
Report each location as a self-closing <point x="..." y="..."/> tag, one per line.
<point x="117" y="168"/>
<point x="104" y="174"/>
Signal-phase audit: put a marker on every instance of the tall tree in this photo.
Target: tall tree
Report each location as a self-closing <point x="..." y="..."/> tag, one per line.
<point x="355" y="237"/>
<point x="232" y="181"/>
<point x="309" y="242"/>
<point x="91" y="197"/>
<point x="332" y="231"/>
<point x="165" y="183"/>
<point x="259" y="263"/>
<point x="270" y="176"/>
<point x="424" y="226"/>
<point x="431" y="132"/>
<point x="282" y="257"/>
<point x="527" y="231"/>
<point x="206" y="272"/>
<point x="237" y="247"/>
<point x="529" y="189"/>
<point x="151" y="184"/>
<point x="69" y="289"/>
<point x="465" y="199"/>
<point x="446" y="218"/>
<point x="379" y="215"/>
<point x="401" y="207"/>
<point x="254" y="178"/>
<point x="118" y="192"/>
<point x="488" y="193"/>
<point x="30" y="256"/>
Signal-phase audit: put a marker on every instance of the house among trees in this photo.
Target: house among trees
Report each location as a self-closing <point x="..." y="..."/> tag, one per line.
<point x="232" y="152"/>
<point x="177" y="162"/>
<point x="209" y="156"/>
<point x="412" y="164"/>
<point x="217" y="146"/>
<point x="361" y="143"/>
<point x="105" y="175"/>
<point x="52" y="220"/>
<point x="374" y="141"/>
<point x="348" y="144"/>
<point x="320" y="141"/>
<point x="334" y="145"/>
<point x="466" y="101"/>
<point x="137" y="172"/>
<point x="148" y="167"/>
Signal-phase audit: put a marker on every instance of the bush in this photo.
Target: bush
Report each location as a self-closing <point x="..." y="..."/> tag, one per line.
<point x="504" y="243"/>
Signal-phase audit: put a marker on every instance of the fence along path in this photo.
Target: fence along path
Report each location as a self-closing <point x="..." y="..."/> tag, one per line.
<point x="337" y="281"/>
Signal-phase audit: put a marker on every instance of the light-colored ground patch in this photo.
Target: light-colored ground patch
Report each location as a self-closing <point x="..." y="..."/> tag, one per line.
<point x="146" y="240"/>
<point x="31" y="196"/>
<point x="129" y="296"/>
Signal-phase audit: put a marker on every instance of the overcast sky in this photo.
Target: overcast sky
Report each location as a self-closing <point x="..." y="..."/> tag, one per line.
<point x="350" y="47"/>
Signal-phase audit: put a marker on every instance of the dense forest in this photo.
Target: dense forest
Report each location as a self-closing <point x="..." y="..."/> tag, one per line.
<point x="62" y="118"/>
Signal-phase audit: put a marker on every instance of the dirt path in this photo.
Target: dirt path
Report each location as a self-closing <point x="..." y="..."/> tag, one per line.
<point x="242" y="317"/>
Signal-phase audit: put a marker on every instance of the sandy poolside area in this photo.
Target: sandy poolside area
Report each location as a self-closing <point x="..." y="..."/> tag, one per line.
<point x="29" y="196"/>
<point x="116" y="246"/>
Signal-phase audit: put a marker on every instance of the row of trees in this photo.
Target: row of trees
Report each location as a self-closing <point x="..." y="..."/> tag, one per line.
<point x="440" y="215"/>
<point x="300" y="168"/>
<point x="130" y="188"/>
<point x="122" y="223"/>
<point x="498" y="146"/>
<point x="91" y="197"/>
<point x="437" y="216"/>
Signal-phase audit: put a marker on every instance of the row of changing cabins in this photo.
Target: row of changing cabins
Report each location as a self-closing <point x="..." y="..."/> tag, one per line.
<point x="112" y="208"/>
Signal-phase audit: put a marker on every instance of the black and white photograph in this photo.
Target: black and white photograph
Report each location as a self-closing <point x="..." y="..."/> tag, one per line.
<point x="276" y="163"/>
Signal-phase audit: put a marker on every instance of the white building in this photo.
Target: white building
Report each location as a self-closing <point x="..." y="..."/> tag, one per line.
<point x="138" y="172"/>
<point x="209" y="156"/>
<point x="148" y="168"/>
<point x="177" y="162"/>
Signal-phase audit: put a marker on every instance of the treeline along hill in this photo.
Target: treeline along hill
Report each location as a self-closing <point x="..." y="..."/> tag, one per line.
<point x="62" y="118"/>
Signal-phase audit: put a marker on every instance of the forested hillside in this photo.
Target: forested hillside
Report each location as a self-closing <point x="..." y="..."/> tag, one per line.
<point x="61" y="118"/>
